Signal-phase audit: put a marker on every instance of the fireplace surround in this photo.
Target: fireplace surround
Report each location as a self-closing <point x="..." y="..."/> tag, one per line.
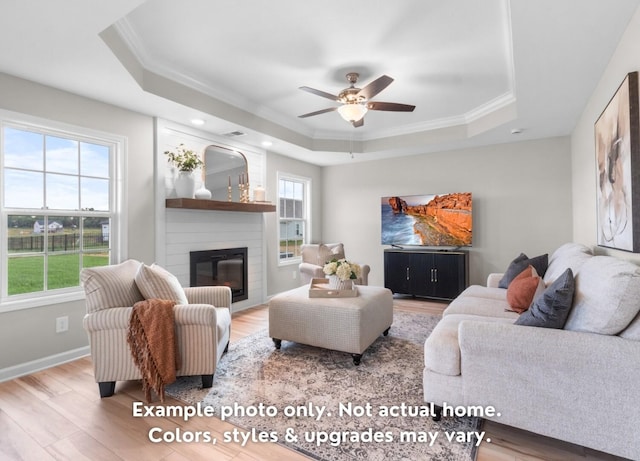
<point x="221" y="267"/>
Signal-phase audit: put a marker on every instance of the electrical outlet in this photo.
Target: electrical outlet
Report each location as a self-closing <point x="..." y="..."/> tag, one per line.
<point x="62" y="324"/>
<point x="295" y="275"/>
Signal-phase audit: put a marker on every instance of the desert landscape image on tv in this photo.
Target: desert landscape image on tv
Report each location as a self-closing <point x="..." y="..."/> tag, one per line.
<point x="429" y="220"/>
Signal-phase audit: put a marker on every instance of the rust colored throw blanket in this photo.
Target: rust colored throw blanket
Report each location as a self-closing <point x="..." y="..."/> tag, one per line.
<point x="153" y="344"/>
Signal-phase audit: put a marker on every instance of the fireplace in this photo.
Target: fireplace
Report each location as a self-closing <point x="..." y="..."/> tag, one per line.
<point x="227" y="267"/>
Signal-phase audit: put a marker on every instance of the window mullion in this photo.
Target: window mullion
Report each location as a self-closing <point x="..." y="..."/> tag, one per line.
<point x="45" y="254"/>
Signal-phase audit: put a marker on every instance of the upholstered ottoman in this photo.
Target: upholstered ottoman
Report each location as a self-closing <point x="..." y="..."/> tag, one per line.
<point x="343" y="324"/>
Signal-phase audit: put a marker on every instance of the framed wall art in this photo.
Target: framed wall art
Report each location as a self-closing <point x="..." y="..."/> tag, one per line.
<point x="617" y="139"/>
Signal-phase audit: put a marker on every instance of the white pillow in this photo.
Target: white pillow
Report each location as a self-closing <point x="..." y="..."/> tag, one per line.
<point x="111" y="286"/>
<point x="606" y="296"/>
<point x="326" y="253"/>
<point x="155" y="282"/>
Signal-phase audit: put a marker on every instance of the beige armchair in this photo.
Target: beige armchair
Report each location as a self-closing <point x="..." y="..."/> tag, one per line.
<point x="314" y="257"/>
<point x="202" y="321"/>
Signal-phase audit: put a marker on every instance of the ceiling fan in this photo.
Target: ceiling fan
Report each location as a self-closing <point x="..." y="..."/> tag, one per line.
<point x="356" y="102"/>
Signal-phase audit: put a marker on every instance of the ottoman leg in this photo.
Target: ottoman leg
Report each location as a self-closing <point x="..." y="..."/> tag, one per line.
<point x="356" y="359"/>
<point x="386" y="332"/>
<point x="277" y="342"/>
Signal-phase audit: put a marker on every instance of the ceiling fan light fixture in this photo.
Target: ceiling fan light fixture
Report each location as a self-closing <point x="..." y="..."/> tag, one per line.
<point x="352" y="112"/>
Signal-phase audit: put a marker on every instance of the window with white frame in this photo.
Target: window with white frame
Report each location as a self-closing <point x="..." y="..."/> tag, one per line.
<point x="293" y="213"/>
<point x="58" y="207"/>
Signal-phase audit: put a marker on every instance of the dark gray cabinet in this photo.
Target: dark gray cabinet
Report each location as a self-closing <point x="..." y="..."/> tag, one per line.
<point x="426" y="273"/>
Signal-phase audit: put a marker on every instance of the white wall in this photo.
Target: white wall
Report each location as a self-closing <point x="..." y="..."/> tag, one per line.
<point x="27" y="337"/>
<point x="521" y="200"/>
<point x="625" y="59"/>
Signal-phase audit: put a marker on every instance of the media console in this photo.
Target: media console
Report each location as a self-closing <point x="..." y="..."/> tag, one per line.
<point x="428" y="273"/>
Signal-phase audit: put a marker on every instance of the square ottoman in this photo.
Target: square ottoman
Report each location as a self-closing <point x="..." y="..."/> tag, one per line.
<point x="344" y="324"/>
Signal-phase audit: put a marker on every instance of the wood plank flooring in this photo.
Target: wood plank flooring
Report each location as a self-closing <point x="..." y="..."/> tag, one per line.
<point x="57" y="414"/>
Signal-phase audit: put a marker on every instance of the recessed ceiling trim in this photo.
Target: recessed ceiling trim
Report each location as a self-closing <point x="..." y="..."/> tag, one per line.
<point x="485" y="111"/>
<point x="133" y="41"/>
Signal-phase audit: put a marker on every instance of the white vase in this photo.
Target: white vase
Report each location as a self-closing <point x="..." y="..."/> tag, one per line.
<point x="203" y="194"/>
<point x="185" y="184"/>
<point x="336" y="284"/>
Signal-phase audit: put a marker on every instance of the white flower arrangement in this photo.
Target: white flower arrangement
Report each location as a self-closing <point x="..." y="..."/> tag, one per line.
<point x="185" y="159"/>
<point x="343" y="269"/>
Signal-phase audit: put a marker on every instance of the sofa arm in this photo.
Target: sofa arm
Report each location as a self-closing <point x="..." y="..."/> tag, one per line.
<point x="115" y="318"/>
<point x="493" y="279"/>
<point x="309" y="271"/>
<point x="364" y="276"/>
<point x="195" y="314"/>
<point x="562" y="384"/>
<point x="218" y="296"/>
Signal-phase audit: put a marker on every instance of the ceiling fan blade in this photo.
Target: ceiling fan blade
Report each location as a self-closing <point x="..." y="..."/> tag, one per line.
<point x="324" y="94"/>
<point x="358" y="123"/>
<point x="375" y="87"/>
<point x="390" y="106"/>
<point x="318" y="112"/>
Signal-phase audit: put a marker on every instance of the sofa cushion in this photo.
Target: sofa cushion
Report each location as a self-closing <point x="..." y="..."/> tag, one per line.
<point x="486" y="307"/>
<point x="442" y="350"/>
<point x="156" y="282"/>
<point x="523" y="290"/>
<point x="572" y="255"/>
<point x="550" y="310"/>
<point x="111" y="286"/>
<point x="519" y="264"/>
<point x="607" y="296"/>
<point x="479" y="291"/>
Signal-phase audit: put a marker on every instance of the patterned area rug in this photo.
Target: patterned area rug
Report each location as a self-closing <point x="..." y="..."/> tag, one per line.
<point x="305" y="380"/>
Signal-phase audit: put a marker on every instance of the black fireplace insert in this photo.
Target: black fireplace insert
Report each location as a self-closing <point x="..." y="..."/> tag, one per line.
<point x="226" y="267"/>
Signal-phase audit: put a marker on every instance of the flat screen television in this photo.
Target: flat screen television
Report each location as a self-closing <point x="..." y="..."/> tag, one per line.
<point x="428" y="220"/>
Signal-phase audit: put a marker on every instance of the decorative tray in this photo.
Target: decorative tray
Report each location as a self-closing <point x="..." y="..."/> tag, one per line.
<point x="319" y="288"/>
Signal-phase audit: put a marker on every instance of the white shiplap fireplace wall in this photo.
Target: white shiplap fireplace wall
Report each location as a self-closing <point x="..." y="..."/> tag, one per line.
<point x="180" y="231"/>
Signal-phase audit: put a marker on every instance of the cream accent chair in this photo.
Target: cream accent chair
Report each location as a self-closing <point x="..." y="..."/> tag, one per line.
<point x="316" y="255"/>
<point x="203" y="324"/>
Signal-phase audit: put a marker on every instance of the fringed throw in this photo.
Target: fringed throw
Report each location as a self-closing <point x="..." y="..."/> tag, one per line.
<point x="153" y="344"/>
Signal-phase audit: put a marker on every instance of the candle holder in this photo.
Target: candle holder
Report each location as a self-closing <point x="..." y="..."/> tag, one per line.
<point x="244" y="193"/>
<point x="229" y="194"/>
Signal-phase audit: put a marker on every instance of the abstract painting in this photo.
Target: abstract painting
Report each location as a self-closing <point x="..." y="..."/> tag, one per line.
<point x="617" y="148"/>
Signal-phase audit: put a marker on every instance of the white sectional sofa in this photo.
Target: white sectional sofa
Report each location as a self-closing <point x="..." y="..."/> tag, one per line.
<point x="579" y="383"/>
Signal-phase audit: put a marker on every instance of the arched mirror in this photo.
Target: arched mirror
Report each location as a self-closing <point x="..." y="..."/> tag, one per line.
<point x="224" y="167"/>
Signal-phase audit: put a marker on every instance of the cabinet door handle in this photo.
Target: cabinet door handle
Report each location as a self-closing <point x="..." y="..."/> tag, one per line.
<point x="407" y="273"/>
<point x="432" y="275"/>
<point x="435" y="275"/>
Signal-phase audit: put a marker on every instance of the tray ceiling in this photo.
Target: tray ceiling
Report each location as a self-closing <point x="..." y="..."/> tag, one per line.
<point x="474" y="70"/>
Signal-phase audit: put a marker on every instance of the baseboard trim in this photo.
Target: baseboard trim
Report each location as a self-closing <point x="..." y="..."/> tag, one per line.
<point x="33" y="366"/>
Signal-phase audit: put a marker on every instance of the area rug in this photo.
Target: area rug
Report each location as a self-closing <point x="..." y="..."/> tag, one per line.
<point x="258" y="384"/>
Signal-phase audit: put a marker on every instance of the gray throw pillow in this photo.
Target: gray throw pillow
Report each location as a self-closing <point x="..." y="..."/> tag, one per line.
<point x="551" y="308"/>
<point x="540" y="263"/>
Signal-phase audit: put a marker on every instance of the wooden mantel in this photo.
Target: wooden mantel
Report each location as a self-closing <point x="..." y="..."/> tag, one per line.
<point x="216" y="205"/>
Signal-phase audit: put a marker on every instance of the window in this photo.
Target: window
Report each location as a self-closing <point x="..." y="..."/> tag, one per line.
<point x="58" y="208"/>
<point x="293" y="203"/>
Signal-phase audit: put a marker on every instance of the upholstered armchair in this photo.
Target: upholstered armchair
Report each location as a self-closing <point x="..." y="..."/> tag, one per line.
<point x="202" y="321"/>
<point x="314" y="257"/>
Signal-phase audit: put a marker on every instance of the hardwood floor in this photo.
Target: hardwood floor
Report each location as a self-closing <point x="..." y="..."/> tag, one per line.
<point x="57" y="414"/>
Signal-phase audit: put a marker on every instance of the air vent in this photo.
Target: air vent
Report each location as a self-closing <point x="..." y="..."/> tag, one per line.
<point x="232" y="134"/>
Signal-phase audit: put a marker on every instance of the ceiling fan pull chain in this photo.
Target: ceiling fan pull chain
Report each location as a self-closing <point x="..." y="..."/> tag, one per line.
<point x="351" y="145"/>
